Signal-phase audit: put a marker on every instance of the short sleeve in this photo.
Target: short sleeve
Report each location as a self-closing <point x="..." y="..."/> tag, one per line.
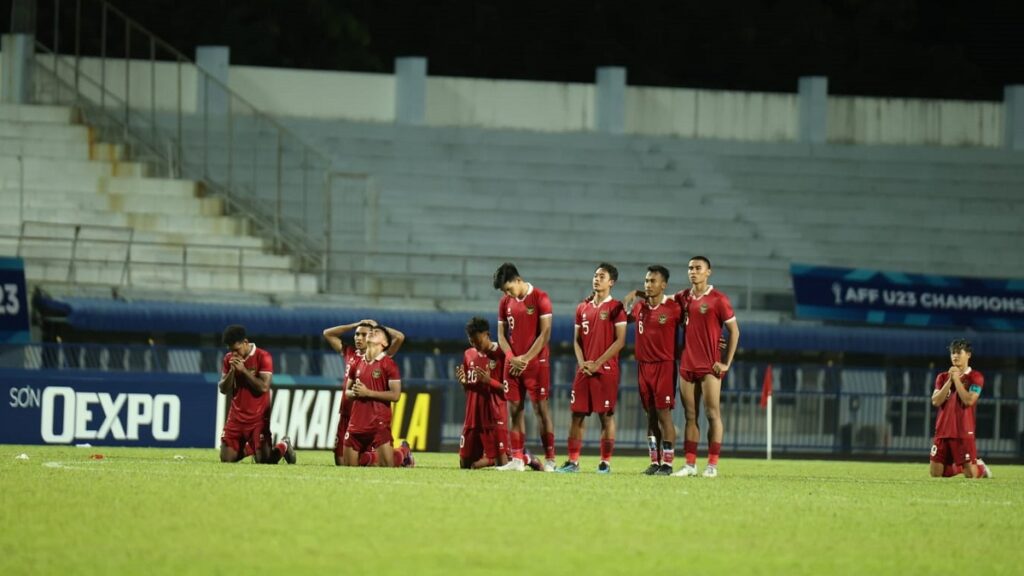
<point x="393" y="372"/>
<point x="265" y="363"/>
<point x="225" y="364"/>
<point x="725" y="311"/>
<point x="619" y="316"/>
<point x="544" y="304"/>
<point x="940" y="379"/>
<point x="503" y="310"/>
<point x="579" y="314"/>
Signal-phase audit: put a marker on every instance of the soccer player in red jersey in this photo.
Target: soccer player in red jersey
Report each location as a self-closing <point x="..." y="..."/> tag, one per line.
<point x="524" y="329"/>
<point x="599" y="335"/>
<point x="657" y="318"/>
<point x="956" y="395"/>
<point x="374" y="383"/>
<point x="484" y="440"/>
<point x="246" y="372"/>
<point x="705" y="312"/>
<point x="351" y="355"/>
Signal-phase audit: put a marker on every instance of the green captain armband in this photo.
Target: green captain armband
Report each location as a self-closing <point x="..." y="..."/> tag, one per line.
<point x="974" y="389"/>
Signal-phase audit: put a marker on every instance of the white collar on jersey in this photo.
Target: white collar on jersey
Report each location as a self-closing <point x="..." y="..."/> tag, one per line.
<point x="967" y="371"/>
<point x="252" y="351"/>
<point x="528" y="292"/>
<point x="664" y="298"/>
<point x="706" y="292"/>
<point x="607" y="299"/>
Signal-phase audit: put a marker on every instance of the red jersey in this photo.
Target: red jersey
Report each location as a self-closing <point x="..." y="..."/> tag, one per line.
<point x="522" y="317"/>
<point x="595" y="326"/>
<point x="657" y="329"/>
<point x="485" y="401"/>
<point x="703" y="317"/>
<point x="375" y="374"/>
<point x="246" y="407"/>
<point x="954" y="420"/>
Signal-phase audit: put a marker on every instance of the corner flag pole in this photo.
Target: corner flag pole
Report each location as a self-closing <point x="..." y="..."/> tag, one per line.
<point x="766" y="402"/>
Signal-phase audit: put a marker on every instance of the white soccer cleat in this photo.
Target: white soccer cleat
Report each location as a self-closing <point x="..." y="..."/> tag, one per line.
<point x="685" y="471"/>
<point x="514" y="465"/>
<point x="710" y="472"/>
<point x="550" y="466"/>
<point x="988" y="471"/>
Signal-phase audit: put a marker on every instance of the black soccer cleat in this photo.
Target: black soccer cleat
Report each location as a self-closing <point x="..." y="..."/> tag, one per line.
<point x="652" y="469"/>
<point x="289" y="453"/>
<point x="664" y="470"/>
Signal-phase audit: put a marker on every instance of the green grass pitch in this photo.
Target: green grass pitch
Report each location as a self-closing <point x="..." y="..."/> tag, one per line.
<point x="141" y="511"/>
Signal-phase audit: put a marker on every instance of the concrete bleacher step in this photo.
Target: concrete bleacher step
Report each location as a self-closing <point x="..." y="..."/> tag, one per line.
<point x="76" y="200"/>
<point x="47" y="171"/>
<point x="50" y="132"/>
<point x="32" y="113"/>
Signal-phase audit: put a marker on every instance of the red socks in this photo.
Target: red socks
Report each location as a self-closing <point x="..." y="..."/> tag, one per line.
<point x="690" y="449"/>
<point x="548" y="441"/>
<point x="606" y="449"/>
<point x="713" y="451"/>
<point x="952" y="470"/>
<point x="575" y="446"/>
<point x="516" y="440"/>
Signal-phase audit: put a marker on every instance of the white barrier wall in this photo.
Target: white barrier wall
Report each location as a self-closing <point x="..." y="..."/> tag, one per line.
<point x="560" y="107"/>
<point x="857" y="120"/>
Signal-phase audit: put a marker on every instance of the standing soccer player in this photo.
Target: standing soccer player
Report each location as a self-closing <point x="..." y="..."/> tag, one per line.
<point x="657" y="318"/>
<point x="705" y="312"/>
<point x="599" y="335"/>
<point x="245" y="376"/>
<point x="956" y="393"/>
<point x="524" y="329"/>
<point x="373" y="383"/>
<point x="351" y="354"/>
<point x="484" y="441"/>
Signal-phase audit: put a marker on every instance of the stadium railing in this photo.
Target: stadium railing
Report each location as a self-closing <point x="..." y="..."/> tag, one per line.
<point x="823" y="410"/>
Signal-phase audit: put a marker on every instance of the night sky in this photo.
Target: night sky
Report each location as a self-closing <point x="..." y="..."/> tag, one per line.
<point x="908" y="48"/>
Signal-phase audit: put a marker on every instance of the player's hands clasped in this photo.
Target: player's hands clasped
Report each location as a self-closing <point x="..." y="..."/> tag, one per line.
<point x="517" y="365"/>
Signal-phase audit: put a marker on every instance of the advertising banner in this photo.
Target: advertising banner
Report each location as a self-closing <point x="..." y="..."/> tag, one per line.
<point x="879" y="297"/>
<point x="13" y="302"/>
<point x="106" y="409"/>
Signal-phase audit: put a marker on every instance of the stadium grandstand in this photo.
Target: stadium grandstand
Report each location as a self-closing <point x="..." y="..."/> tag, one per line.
<point x="152" y="200"/>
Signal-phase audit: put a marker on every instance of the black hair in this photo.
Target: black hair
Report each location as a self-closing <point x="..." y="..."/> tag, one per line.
<point x="659" y="269"/>
<point x="365" y="325"/>
<point x="612" y="271"/>
<point x="960" y="344"/>
<point x="704" y="258"/>
<point x="476" y="325"/>
<point x="505" y="273"/>
<point x="233" y="334"/>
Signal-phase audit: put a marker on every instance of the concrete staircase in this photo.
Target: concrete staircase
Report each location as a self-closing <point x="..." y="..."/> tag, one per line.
<point x="78" y="212"/>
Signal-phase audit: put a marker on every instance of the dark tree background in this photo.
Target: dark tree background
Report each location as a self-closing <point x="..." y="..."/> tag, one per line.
<point x="909" y="48"/>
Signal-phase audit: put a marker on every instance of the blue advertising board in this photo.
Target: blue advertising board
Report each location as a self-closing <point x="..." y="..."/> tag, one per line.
<point x="107" y="409"/>
<point x="13" y="302"/>
<point x="879" y="297"/>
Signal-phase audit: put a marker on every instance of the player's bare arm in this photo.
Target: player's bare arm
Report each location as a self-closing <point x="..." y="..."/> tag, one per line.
<point x="614" y="349"/>
<point x="227" y="382"/>
<point x="397" y="339"/>
<point x="483" y="375"/>
<point x="939" y="395"/>
<point x="333" y="335"/>
<point x="627" y="303"/>
<point x="539" y="343"/>
<point x="720" y="368"/>
<point x="502" y="340"/>
<point x="581" y="361"/>
<point x="966" y="396"/>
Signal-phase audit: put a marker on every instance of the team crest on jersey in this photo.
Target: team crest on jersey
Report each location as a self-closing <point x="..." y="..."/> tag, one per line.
<point x="663" y="318"/>
<point x="492" y="364"/>
<point x="603" y="315"/>
<point x="529" y="310"/>
<point x="376" y="372"/>
<point x="704" y="308"/>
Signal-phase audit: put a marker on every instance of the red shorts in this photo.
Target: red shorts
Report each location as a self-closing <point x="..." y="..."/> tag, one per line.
<point x="657" y="383"/>
<point x="477" y="442"/>
<point x="365" y="440"/>
<point x="535" y="380"/>
<point x="339" y="437"/>
<point x="236" y="435"/>
<point x="694" y="377"/>
<point x="954" y="450"/>
<point x="597" y="393"/>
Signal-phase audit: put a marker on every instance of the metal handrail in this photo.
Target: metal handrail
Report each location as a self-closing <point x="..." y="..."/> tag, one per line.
<point x="237" y="196"/>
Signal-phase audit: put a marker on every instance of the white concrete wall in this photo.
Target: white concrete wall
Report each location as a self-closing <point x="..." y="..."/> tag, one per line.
<point x="544" y="106"/>
<point x="711" y="114"/>
<point x="562" y="107"/>
<point x="913" y="121"/>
